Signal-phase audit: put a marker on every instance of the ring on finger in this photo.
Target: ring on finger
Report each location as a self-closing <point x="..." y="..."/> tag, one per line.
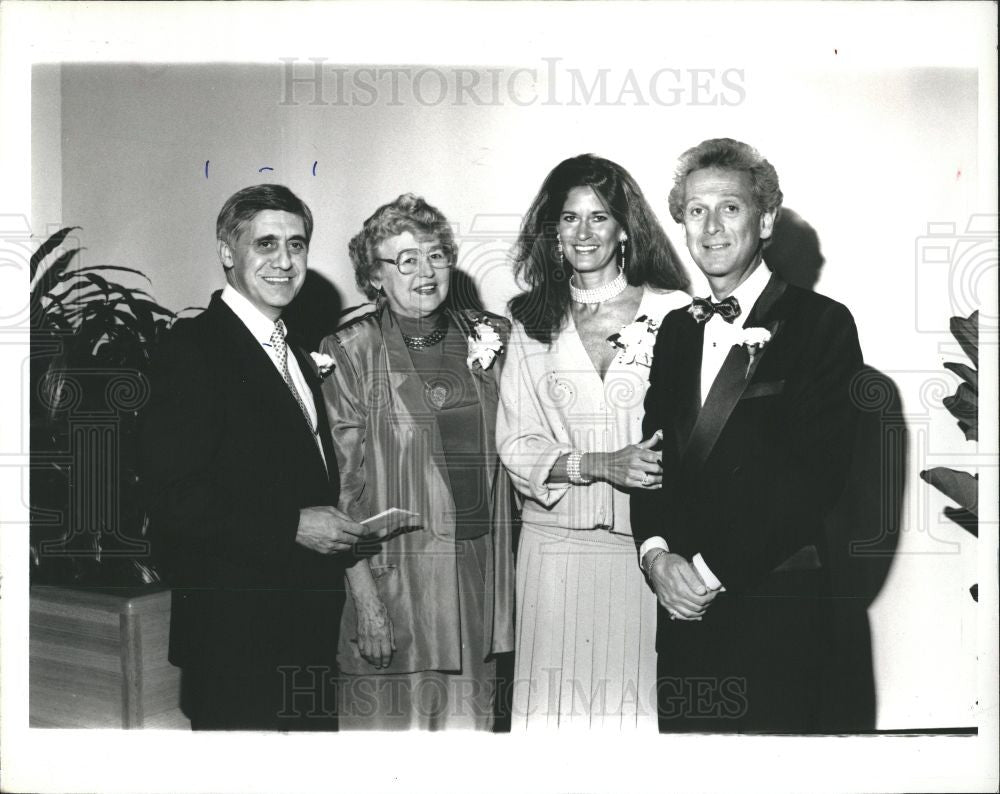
<point x="645" y="479"/>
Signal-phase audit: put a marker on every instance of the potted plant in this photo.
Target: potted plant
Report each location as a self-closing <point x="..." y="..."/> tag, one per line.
<point x="99" y="616"/>
<point x="960" y="486"/>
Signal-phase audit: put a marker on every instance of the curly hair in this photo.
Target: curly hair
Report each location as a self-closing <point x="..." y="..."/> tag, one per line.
<point x="735" y="156"/>
<point x="408" y="213"/>
<point x="241" y="207"/>
<point x="650" y="258"/>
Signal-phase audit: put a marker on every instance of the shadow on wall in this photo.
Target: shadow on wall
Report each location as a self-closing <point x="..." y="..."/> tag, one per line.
<point x="862" y="536"/>
<point x="862" y="531"/>
<point x="794" y="252"/>
<point x="463" y="293"/>
<point x="315" y="312"/>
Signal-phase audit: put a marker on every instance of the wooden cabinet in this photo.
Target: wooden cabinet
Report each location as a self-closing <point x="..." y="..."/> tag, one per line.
<point x="98" y="659"/>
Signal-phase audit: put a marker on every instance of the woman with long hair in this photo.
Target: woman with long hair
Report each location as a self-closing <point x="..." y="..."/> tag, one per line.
<point x="600" y="274"/>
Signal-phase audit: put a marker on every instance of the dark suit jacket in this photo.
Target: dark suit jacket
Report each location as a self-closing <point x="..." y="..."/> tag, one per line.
<point x="749" y="476"/>
<point x="227" y="463"/>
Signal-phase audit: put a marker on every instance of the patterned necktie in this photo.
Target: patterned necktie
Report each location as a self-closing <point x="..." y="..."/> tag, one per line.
<point x="702" y="309"/>
<point x="281" y="348"/>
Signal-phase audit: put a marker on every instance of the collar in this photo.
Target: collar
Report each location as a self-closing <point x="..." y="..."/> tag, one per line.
<point x="749" y="291"/>
<point x="260" y="326"/>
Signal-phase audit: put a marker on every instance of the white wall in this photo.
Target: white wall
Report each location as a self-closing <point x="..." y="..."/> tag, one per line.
<point x="868" y="156"/>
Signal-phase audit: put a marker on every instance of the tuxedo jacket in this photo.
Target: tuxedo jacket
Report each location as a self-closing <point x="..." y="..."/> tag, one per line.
<point x="748" y="476"/>
<point x="227" y="462"/>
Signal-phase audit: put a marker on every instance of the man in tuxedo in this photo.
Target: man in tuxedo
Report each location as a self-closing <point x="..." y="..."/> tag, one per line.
<point x="750" y="389"/>
<point x="240" y="475"/>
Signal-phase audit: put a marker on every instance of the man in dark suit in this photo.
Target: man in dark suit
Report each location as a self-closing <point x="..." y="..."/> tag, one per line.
<point x="751" y="392"/>
<point x="240" y="475"/>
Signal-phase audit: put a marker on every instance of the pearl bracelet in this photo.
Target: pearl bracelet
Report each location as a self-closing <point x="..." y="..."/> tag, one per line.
<point x="573" y="469"/>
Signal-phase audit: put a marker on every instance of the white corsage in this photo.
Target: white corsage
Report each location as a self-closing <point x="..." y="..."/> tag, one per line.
<point x="636" y="341"/>
<point x="324" y="364"/>
<point x="754" y="340"/>
<point x="485" y="345"/>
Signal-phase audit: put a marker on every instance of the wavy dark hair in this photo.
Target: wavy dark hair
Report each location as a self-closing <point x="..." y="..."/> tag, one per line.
<point x="649" y="256"/>
<point x="407" y="213"/>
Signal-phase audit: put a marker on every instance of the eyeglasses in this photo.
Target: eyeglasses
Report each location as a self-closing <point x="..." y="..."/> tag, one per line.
<point x="408" y="261"/>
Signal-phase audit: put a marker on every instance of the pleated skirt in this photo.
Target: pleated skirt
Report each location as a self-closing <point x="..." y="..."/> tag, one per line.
<point x="586" y="632"/>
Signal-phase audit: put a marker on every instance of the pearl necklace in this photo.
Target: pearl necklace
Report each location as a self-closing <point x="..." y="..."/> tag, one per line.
<point x="599" y="294"/>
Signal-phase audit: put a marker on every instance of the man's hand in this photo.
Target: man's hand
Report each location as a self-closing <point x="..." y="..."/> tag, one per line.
<point x="327" y="530"/>
<point x="678" y="587"/>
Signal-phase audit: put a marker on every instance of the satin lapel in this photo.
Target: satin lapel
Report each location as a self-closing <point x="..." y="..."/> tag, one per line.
<point x="760" y="314"/>
<point x="485" y="382"/>
<point x="686" y="376"/>
<point x="403" y="378"/>
<point x="408" y="397"/>
<point x="731" y="382"/>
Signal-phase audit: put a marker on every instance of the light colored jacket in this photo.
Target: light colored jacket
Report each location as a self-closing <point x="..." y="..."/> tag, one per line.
<point x="552" y="401"/>
<point x="390" y="455"/>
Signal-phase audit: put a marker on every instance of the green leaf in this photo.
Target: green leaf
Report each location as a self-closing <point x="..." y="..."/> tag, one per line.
<point x="967" y="520"/>
<point x="145" y="311"/>
<point x="48" y="280"/>
<point x="58" y="300"/>
<point x="47" y="248"/>
<point x="964" y="406"/>
<point x="959" y="486"/>
<point x="93" y="278"/>
<point x="91" y="331"/>
<point x="115" y="268"/>
<point x="90" y="295"/>
<point x="965" y="372"/>
<point x="966" y="333"/>
<point x="59" y="322"/>
<point x="90" y="322"/>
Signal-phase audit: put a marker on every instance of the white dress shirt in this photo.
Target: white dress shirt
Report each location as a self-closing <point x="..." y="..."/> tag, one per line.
<point x="720" y="336"/>
<point x="262" y="327"/>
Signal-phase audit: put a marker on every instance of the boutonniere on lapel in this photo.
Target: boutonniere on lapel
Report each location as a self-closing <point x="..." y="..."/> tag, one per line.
<point x="485" y="345"/>
<point x="324" y="364"/>
<point x="754" y="340"/>
<point x="636" y="341"/>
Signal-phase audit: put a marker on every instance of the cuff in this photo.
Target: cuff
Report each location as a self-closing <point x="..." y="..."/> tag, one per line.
<point x="655" y="542"/>
<point x="539" y="487"/>
<point x="710" y="579"/>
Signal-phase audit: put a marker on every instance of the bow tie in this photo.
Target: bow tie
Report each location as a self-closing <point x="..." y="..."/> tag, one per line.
<point x="702" y="309"/>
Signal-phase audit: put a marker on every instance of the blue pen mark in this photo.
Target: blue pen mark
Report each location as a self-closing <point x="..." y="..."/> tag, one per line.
<point x="314" y="167"/>
<point x="206" y="168"/>
<point x="264" y="168"/>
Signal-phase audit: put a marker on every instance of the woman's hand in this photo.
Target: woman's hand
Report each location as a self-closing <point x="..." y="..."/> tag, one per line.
<point x="375" y="638"/>
<point x="634" y="466"/>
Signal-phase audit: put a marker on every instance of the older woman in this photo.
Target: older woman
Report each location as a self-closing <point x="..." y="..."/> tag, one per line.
<point x="600" y="275"/>
<point x="412" y="405"/>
